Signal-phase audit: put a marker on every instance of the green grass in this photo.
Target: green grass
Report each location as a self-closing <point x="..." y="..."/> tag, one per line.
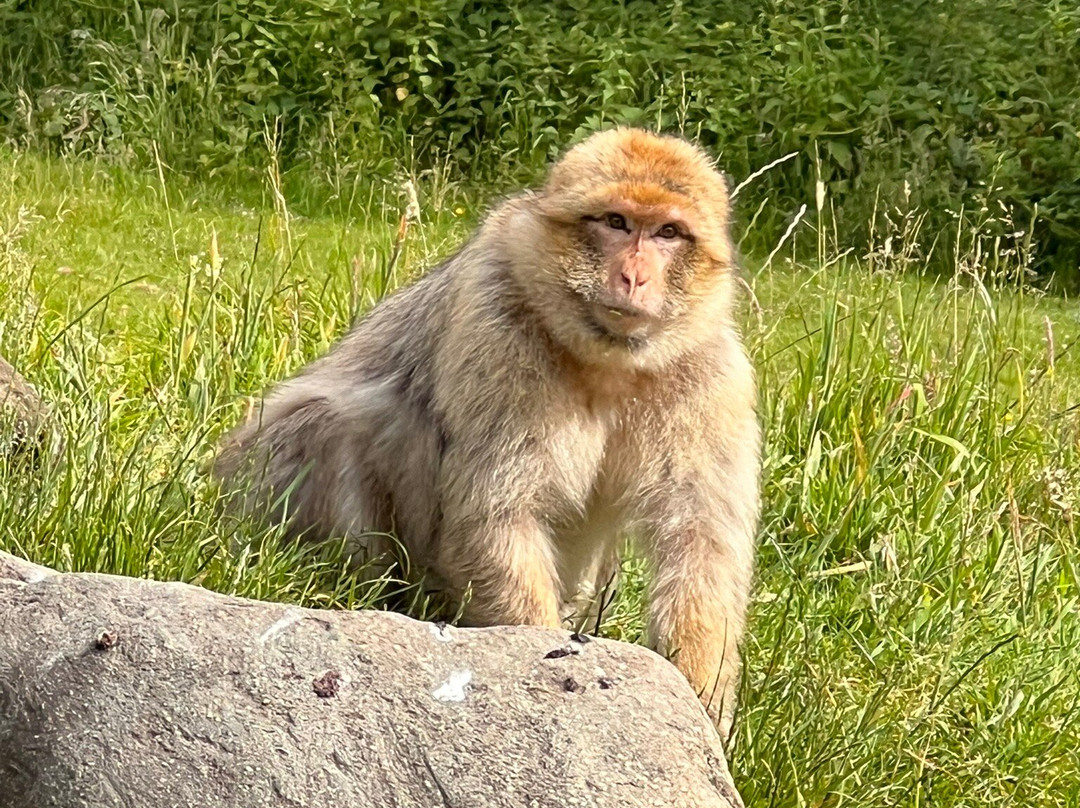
<point x="915" y="629"/>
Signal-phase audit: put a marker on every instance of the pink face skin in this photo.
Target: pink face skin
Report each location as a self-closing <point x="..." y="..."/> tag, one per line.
<point x="637" y="247"/>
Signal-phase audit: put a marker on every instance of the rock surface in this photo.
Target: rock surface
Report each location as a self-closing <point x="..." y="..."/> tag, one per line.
<point x="24" y="418"/>
<point x="126" y="692"/>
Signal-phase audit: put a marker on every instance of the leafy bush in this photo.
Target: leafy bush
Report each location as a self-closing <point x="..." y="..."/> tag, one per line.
<point x="941" y="105"/>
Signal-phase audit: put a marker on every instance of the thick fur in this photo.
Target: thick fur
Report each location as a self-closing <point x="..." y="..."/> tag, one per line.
<point x="510" y="445"/>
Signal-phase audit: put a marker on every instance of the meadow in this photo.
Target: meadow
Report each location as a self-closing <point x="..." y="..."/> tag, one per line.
<point x="916" y="620"/>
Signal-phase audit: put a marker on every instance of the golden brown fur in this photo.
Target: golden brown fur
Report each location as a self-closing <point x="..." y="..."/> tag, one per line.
<point x="560" y="383"/>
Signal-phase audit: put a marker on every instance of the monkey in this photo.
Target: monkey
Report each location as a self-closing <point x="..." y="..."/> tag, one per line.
<point x="573" y="376"/>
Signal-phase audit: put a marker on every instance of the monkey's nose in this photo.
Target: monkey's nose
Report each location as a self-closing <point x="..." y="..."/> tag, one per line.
<point x="635" y="290"/>
<point x="633" y="279"/>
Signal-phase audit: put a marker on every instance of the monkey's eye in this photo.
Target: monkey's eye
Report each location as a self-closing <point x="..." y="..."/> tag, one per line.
<point x="668" y="231"/>
<point x="615" y="221"/>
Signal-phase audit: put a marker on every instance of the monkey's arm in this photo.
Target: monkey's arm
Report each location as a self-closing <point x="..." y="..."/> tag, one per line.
<point x="493" y="543"/>
<point x="702" y="547"/>
<point x="502" y="559"/>
<point x="499" y="473"/>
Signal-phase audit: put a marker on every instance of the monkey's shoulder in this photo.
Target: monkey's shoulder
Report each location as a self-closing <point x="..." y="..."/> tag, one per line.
<point x="717" y="376"/>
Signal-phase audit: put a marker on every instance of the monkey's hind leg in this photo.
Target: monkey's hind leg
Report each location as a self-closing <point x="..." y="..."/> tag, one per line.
<point x="302" y="467"/>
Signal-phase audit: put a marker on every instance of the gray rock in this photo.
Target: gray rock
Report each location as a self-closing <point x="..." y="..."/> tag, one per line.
<point x="25" y="421"/>
<point x="126" y="692"/>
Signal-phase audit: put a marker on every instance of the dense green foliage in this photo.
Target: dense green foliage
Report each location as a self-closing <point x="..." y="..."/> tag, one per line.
<point x="952" y="107"/>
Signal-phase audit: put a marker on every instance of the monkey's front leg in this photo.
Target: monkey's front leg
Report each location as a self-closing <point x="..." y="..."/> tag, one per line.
<point x="503" y="562"/>
<point x="703" y="560"/>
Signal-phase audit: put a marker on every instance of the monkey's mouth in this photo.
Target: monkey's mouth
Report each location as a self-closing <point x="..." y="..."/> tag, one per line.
<point x="621" y="325"/>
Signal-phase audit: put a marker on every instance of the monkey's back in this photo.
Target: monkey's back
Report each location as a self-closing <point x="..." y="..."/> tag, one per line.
<point x="351" y="445"/>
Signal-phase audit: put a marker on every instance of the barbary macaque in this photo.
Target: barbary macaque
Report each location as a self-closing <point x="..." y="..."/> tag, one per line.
<point x="571" y="377"/>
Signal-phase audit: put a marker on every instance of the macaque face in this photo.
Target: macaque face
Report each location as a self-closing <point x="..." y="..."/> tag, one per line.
<point x="641" y="254"/>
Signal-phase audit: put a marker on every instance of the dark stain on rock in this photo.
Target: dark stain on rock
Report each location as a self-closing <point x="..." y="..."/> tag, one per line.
<point x="559" y="653"/>
<point x="327" y="685"/>
<point x="572" y="685"/>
